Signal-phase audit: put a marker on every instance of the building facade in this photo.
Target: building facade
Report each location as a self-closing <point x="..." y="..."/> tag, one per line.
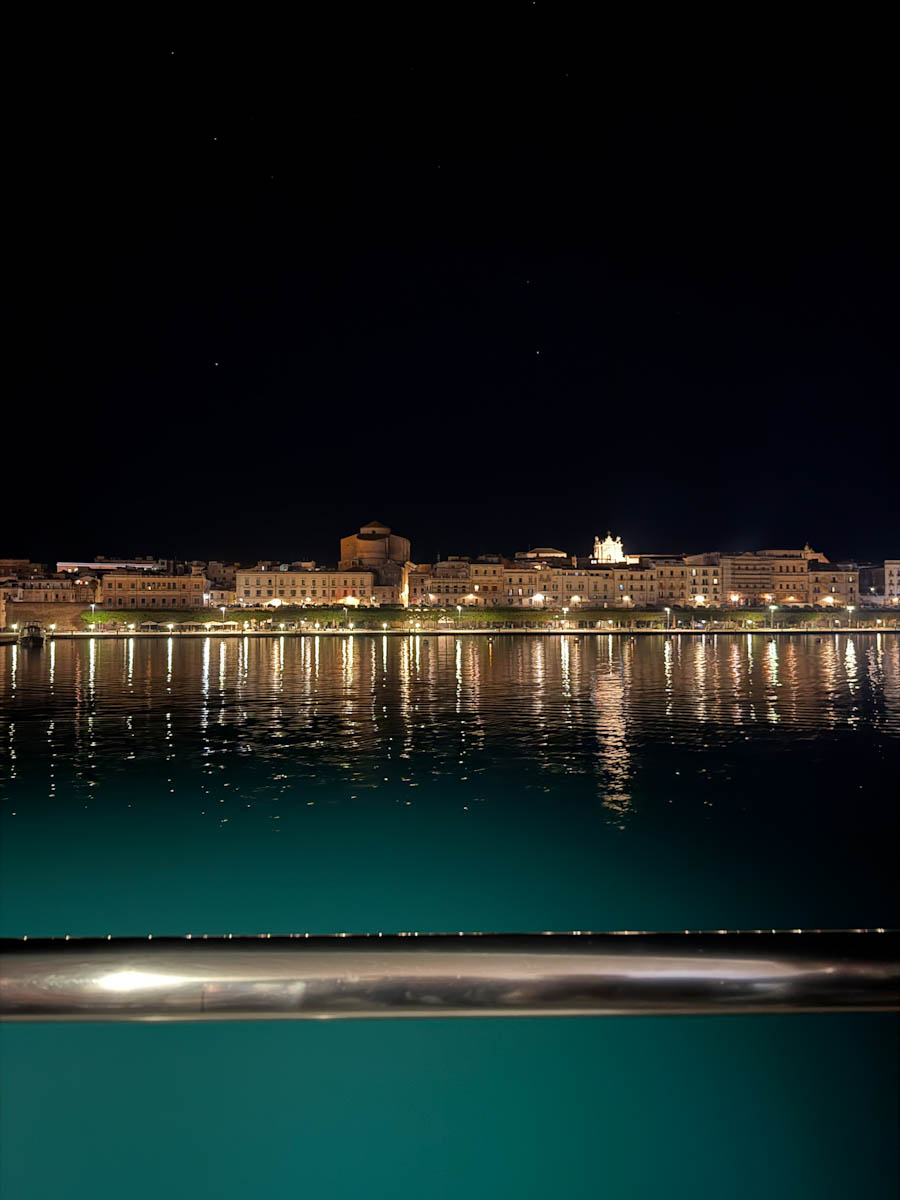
<point x="375" y="548"/>
<point x="51" y="591"/>
<point x="142" y="589"/>
<point x="304" y="584"/>
<point x="892" y="581"/>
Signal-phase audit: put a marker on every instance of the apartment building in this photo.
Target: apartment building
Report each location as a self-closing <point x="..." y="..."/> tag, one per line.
<point x="834" y="585"/>
<point x="892" y="581"/>
<point x="304" y="583"/>
<point x="143" y="589"/>
<point x="770" y="576"/>
<point x="51" y="591"/>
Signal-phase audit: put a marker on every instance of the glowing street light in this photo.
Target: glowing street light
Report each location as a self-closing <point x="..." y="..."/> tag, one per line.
<point x="459" y="611"/>
<point x="668" y="613"/>
<point x="222" y="607"/>
<point x="384" y="624"/>
<point x="851" y="609"/>
<point x="773" y="608"/>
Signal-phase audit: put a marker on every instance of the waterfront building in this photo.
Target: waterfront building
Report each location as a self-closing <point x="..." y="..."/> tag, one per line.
<point x="776" y="577"/>
<point x="892" y="581"/>
<point x="52" y="590"/>
<point x="375" y="548"/>
<point x="217" y="596"/>
<point x="144" y="589"/>
<point x="871" y="583"/>
<point x="835" y="585"/>
<point x="303" y="583"/>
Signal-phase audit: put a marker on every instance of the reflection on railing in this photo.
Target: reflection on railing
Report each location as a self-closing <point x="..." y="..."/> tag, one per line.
<point x="445" y="975"/>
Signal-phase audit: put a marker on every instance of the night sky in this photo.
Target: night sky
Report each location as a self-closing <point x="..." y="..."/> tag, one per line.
<point x="497" y="275"/>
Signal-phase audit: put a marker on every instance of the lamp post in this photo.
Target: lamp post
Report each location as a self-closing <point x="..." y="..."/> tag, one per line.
<point x="459" y="613"/>
<point x="668" y="613"/>
<point x="345" y="615"/>
<point x="93" y="606"/>
<point x="222" y="607"/>
<point x="566" y="617"/>
<point x="851" y="609"/>
<point x="772" y="609"/>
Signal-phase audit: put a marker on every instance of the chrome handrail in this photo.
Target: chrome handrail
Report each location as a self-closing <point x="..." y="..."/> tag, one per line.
<point x="448" y="975"/>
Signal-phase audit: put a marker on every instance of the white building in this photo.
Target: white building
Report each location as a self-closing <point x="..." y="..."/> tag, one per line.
<point x="892" y="581"/>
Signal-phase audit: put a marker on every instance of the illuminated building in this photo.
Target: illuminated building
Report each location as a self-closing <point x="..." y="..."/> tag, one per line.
<point x="609" y="550"/>
<point x="144" y="589"/>
<point x="52" y="590"/>
<point x="892" y="581"/>
<point x="303" y="583"/>
<point x="375" y="548"/>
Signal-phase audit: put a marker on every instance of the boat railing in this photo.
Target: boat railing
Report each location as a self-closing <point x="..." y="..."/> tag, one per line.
<point x="448" y="975"/>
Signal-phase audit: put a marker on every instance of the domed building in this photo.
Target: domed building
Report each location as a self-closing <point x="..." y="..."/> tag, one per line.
<point x="376" y="548"/>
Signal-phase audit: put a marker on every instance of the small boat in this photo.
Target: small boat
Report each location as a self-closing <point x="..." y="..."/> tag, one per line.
<point x="31" y="635"/>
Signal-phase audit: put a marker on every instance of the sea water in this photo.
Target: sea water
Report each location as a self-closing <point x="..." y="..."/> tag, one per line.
<point x="361" y="783"/>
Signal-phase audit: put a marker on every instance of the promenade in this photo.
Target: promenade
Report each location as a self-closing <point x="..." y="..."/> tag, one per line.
<point x="482" y="632"/>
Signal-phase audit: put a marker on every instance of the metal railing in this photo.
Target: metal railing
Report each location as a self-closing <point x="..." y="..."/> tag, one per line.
<point x="448" y="975"/>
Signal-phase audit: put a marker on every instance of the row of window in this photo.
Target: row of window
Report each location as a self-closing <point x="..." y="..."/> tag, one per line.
<point x="194" y="585"/>
<point x="351" y="591"/>
<point x="305" y="582"/>
<point x="153" y="602"/>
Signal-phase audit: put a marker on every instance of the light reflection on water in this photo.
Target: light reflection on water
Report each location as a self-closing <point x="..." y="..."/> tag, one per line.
<point x="521" y="755"/>
<point x="566" y="703"/>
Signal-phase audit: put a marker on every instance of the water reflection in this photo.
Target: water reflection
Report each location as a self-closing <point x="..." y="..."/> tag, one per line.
<point x="416" y="711"/>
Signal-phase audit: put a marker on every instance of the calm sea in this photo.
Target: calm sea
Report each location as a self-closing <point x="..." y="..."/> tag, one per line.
<point x="230" y="785"/>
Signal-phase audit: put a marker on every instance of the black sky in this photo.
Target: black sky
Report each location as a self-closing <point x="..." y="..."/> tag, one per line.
<point x="496" y="275"/>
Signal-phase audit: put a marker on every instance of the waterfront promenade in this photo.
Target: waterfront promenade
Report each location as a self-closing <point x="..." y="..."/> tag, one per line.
<point x="461" y="631"/>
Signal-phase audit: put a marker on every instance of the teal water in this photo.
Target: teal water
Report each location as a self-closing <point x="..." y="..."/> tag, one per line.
<point x="367" y="783"/>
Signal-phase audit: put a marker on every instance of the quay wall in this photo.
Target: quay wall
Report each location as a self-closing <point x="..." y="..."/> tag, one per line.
<point x="63" y="616"/>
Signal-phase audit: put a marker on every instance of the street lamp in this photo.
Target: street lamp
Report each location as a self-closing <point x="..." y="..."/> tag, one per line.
<point x="851" y="609"/>
<point x="459" y="612"/>
<point x="93" y="606"/>
<point x="565" y="616"/>
<point x="345" y="614"/>
<point x="772" y="610"/>
<point x="668" y="613"/>
<point x="222" y="607"/>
